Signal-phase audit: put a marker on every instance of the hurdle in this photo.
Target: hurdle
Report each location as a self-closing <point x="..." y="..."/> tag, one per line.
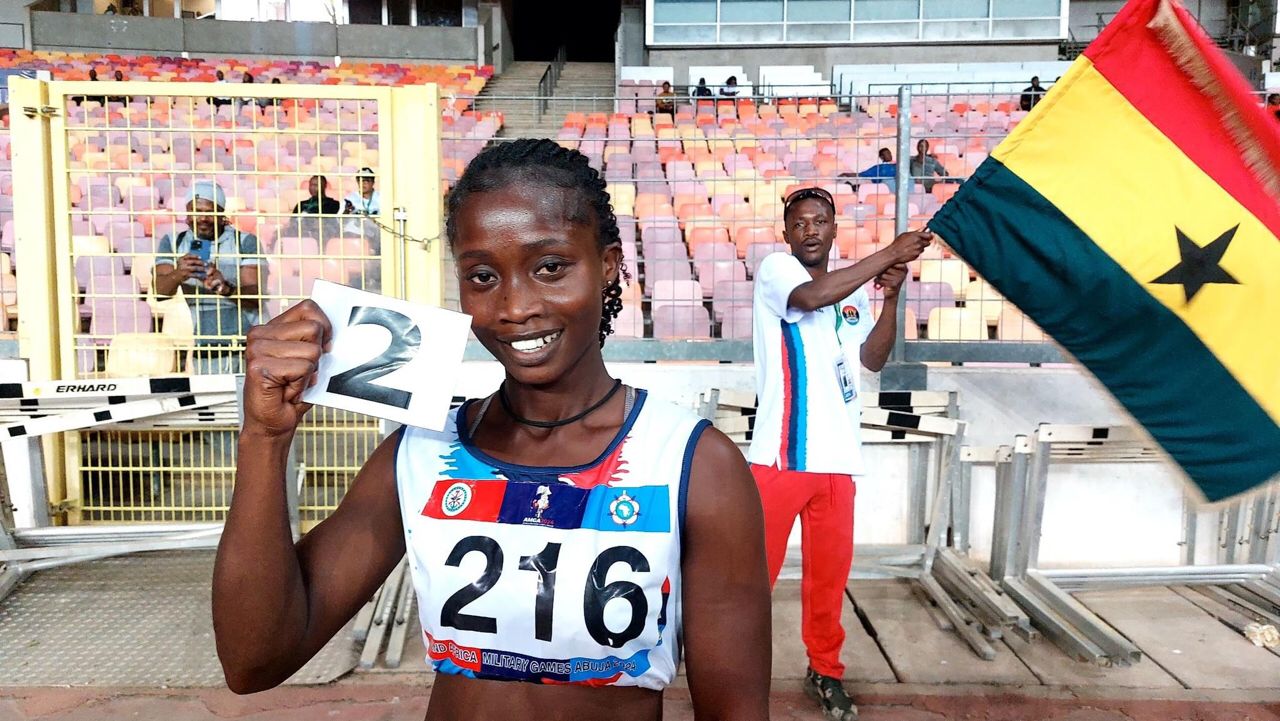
<point x="30" y="410"/>
<point x="967" y="601"/>
<point x="1243" y="581"/>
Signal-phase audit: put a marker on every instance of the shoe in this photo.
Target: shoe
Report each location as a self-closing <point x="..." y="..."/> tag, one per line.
<point x="829" y="692"/>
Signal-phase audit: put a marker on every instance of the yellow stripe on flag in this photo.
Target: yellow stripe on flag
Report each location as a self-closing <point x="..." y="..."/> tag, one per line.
<point x="1129" y="188"/>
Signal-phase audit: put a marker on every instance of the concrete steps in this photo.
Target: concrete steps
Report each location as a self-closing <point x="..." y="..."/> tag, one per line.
<point x="512" y="93"/>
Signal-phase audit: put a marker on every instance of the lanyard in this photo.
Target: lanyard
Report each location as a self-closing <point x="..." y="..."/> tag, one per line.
<point x="839" y="322"/>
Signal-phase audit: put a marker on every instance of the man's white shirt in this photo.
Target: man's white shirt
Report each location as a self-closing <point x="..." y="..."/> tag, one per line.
<point x="808" y="363"/>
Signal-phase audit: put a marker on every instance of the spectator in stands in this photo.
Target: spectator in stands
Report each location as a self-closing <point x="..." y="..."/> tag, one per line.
<point x="365" y="201"/>
<point x="1273" y="104"/>
<point x="316" y="216"/>
<point x="814" y="329"/>
<point x="267" y="102"/>
<point x="93" y="78"/>
<point x="119" y="78"/>
<point x="219" y="102"/>
<point x="702" y="91"/>
<point x="925" y="167"/>
<point x="222" y="292"/>
<point x="318" y="203"/>
<point x="130" y="7"/>
<point x="666" y="102"/>
<point x="1032" y="94"/>
<point x="241" y="102"/>
<point x="730" y="87"/>
<point x="886" y="171"/>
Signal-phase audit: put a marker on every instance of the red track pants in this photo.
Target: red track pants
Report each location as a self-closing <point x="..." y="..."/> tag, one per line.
<point x="824" y="502"/>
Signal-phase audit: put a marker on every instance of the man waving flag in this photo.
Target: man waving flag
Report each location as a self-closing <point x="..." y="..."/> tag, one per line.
<point x="1135" y="216"/>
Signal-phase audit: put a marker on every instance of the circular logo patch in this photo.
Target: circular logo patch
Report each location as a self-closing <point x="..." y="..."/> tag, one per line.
<point x="624" y="510"/>
<point x="850" y="314"/>
<point x="456" y="499"/>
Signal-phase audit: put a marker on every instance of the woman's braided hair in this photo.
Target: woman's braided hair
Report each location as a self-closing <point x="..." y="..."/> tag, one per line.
<point x="546" y="162"/>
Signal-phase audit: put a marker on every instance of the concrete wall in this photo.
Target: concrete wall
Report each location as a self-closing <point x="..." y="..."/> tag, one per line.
<point x="1083" y="15"/>
<point x="823" y="58"/>
<point x="499" y="51"/>
<point x="15" y="25"/>
<point x="74" y="31"/>
<point x="633" y="52"/>
<point x="258" y="38"/>
<point x="59" y="31"/>
<point x="436" y="43"/>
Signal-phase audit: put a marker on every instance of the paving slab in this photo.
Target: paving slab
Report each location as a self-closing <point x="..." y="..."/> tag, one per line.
<point x="861" y="656"/>
<point x="1189" y="643"/>
<point x="1055" y="668"/>
<point x="919" y="651"/>
<point x="141" y="620"/>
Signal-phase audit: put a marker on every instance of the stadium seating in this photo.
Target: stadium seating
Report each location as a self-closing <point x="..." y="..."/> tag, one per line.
<point x="698" y="195"/>
<point x="132" y="159"/>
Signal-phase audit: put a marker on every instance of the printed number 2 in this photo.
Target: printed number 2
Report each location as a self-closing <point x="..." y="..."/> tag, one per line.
<point x="405" y="339"/>
<point x="597" y="594"/>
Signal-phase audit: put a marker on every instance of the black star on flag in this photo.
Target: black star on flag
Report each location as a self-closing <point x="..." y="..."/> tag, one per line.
<point x="1199" y="266"/>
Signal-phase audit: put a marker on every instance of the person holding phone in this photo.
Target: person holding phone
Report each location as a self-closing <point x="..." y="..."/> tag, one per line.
<point x="217" y="269"/>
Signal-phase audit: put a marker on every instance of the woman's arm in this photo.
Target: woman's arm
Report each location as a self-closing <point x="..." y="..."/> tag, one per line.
<point x="275" y="604"/>
<point x="727" y="636"/>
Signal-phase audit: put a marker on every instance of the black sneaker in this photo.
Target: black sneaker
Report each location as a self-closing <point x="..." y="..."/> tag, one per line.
<point x="828" y="691"/>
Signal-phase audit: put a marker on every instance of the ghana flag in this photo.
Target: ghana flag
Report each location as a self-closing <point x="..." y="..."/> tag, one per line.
<point x="1134" y="215"/>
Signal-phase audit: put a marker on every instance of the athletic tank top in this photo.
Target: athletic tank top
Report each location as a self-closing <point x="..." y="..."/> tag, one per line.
<point x="551" y="575"/>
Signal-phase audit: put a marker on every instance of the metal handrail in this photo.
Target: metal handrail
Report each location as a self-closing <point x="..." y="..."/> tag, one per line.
<point x="547" y="83"/>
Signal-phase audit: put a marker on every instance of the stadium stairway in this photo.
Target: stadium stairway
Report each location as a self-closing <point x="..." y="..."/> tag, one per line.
<point x="520" y="119"/>
<point x="520" y="80"/>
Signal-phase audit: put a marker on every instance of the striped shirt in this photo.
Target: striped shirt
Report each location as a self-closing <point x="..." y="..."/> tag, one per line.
<point x="803" y="420"/>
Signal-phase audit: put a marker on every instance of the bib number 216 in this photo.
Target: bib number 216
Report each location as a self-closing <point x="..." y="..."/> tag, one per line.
<point x="595" y="596"/>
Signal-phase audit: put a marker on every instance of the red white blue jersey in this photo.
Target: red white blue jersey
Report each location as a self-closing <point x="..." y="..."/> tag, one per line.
<point x="551" y="575"/>
<point x="808" y="413"/>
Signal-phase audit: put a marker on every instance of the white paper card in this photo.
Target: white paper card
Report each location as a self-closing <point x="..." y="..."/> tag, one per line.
<point x="390" y="358"/>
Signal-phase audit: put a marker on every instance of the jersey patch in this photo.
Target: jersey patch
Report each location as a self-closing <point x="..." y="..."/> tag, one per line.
<point x="643" y="509"/>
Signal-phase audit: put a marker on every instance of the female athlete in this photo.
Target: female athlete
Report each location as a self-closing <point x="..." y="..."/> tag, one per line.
<point x="568" y="532"/>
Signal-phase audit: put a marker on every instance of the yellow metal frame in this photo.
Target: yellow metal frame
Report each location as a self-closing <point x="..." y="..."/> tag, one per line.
<point x="38" y="340"/>
<point x="410" y="184"/>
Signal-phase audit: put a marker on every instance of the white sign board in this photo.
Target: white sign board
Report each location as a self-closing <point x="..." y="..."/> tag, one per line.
<point x="389" y="358"/>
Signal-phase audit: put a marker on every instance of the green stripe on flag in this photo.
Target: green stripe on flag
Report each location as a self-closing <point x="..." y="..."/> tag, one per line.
<point x="1148" y="358"/>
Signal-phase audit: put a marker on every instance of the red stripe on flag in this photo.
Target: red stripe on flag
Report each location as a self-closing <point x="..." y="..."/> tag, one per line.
<point x="457" y="500"/>
<point x="1132" y="58"/>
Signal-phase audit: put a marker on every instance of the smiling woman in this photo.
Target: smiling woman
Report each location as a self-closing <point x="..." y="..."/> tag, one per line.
<point x="637" y="527"/>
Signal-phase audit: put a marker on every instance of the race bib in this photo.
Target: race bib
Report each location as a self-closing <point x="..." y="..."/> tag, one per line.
<point x="547" y="582"/>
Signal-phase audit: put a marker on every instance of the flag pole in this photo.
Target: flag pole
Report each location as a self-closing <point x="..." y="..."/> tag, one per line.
<point x="902" y="196"/>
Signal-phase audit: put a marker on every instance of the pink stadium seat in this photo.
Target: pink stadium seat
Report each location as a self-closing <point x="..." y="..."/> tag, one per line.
<point x="737" y="323"/>
<point x="729" y="294"/>
<point x="110" y="316"/>
<point x="757" y="252"/>
<point x="97" y="265"/>
<point x="677" y="291"/>
<point x="712" y="273"/>
<point x="672" y="321"/>
<point x="630" y="322"/>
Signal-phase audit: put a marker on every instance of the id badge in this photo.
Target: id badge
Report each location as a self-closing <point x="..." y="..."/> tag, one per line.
<point x="846" y="382"/>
